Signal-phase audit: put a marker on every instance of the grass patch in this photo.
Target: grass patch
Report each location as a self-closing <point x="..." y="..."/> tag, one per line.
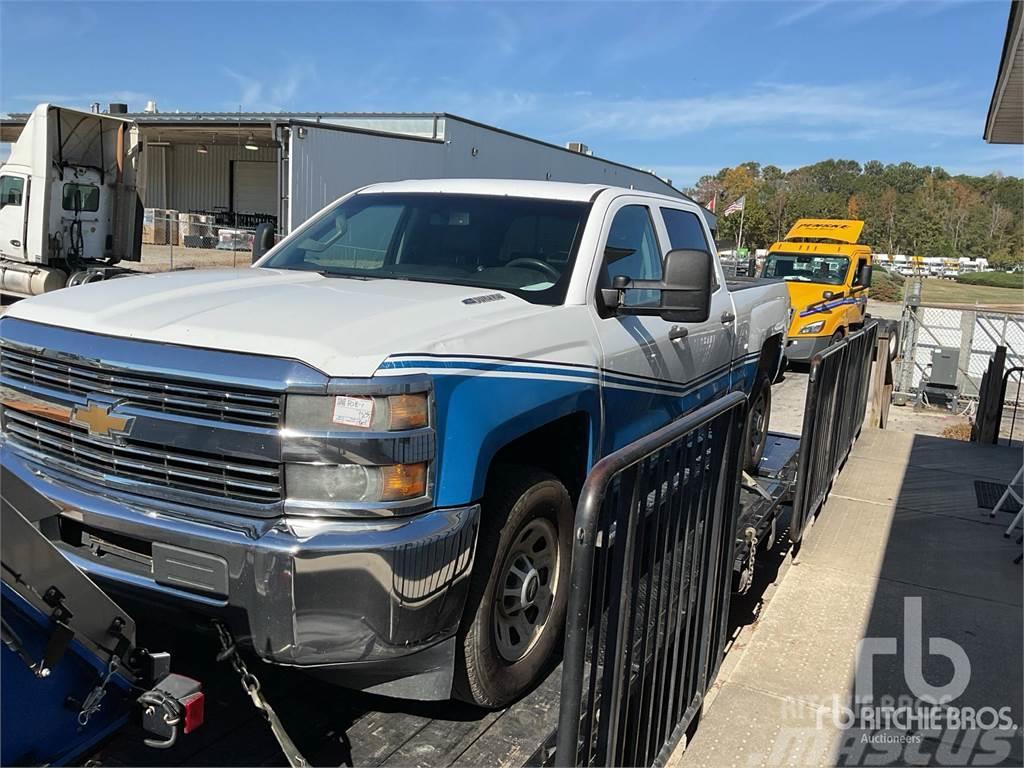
<point x="936" y="291"/>
<point x="993" y="279"/>
<point x="958" y="431"/>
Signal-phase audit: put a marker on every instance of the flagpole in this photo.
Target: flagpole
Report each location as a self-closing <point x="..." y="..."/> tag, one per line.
<point x="743" y="210"/>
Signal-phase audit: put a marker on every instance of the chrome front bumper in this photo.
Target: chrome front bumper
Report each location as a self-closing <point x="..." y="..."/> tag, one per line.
<point x="802" y="348"/>
<point x="370" y="602"/>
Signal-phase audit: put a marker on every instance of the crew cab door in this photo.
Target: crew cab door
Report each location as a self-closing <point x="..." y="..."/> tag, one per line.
<point x="653" y="370"/>
<point x="707" y="351"/>
<point x="13" y="214"/>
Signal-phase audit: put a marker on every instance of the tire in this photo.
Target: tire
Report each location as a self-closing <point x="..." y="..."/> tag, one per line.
<point x="836" y="338"/>
<point x="755" y="434"/>
<point x="524" y="508"/>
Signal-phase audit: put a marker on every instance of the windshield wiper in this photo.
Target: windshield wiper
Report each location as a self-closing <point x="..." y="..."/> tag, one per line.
<point x="329" y="273"/>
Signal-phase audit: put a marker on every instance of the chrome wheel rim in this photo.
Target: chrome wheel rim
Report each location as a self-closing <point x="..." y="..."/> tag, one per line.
<point x="527" y="584"/>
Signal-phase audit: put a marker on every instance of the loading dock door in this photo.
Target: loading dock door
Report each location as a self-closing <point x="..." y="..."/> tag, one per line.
<point x="254" y="187"/>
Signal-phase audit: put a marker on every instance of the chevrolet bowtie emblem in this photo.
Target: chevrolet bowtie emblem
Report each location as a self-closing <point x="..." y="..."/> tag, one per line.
<point x="96" y="417"/>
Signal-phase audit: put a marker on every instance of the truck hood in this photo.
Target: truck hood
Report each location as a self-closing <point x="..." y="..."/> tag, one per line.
<point x="341" y="326"/>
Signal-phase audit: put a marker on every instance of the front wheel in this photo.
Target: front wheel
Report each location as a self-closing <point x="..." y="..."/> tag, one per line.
<point x="515" y="611"/>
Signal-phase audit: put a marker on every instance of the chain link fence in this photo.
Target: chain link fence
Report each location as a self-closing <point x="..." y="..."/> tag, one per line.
<point x="198" y="239"/>
<point x="968" y="335"/>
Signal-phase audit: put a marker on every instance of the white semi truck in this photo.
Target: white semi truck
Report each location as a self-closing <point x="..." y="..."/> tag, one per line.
<point x="70" y="208"/>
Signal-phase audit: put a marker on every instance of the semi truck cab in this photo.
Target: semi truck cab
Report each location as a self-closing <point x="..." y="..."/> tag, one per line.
<point x="69" y="202"/>
<point x="828" y="274"/>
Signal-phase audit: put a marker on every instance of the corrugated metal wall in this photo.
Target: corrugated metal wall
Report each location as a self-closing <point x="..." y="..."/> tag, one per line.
<point x="195" y="181"/>
<point x="330" y="162"/>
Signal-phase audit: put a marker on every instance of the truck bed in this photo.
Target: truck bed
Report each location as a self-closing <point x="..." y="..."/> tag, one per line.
<point x="742" y="283"/>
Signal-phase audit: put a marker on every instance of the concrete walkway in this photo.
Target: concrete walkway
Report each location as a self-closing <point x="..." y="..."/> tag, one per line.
<point x="900" y="533"/>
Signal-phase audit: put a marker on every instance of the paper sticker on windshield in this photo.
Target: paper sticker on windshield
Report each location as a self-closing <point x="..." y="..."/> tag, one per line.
<point x="353" y="411"/>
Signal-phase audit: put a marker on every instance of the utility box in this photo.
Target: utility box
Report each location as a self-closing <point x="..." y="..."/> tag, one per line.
<point x="944" y="366"/>
<point x="941" y="387"/>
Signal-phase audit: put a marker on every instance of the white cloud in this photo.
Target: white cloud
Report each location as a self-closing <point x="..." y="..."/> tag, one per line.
<point x="276" y="95"/>
<point x="800" y="12"/>
<point x="840" y="112"/>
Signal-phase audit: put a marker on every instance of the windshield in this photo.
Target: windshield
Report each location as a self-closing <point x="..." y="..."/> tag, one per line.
<point x="807" y="267"/>
<point x="521" y="245"/>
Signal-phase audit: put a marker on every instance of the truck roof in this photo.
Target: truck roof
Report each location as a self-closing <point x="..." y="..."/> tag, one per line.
<point x="545" y="190"/>
<point x="841" y="230"/>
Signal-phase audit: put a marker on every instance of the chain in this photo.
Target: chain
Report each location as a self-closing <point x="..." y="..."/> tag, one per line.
<point x="229" y="652"/>
<point x="94" y="700"/>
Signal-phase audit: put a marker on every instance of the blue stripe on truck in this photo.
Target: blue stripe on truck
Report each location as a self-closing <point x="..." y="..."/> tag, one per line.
<point x="471" y="395"/>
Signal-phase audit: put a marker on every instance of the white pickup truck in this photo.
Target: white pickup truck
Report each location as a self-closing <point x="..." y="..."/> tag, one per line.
<point x="363" y="453"/>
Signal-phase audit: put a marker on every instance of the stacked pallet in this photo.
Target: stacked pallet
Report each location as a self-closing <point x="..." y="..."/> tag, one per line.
<point x="196" y="230"/>
<point x="159" y="226"/>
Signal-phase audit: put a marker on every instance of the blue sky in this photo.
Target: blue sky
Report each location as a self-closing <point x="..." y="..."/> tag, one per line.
<point x="683" y="88"/>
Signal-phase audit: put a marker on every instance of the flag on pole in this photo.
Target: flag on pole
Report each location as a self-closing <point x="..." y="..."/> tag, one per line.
<point x="710" y="205"/>
<point x="736" y="205"/>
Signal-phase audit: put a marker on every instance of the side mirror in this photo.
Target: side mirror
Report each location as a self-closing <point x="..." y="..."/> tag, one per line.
<point x="685" y="289"/>
<point x="864" y="277"/>
<point x="688" y="278"/>
<point x="262" y="241"/>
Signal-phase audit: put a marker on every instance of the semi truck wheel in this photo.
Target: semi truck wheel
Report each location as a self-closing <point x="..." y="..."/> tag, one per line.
<point x="759" y="413"/>
<point x="515" y="611"/>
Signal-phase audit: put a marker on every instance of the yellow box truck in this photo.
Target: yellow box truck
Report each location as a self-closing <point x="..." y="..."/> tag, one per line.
<point x="828" y="274"/>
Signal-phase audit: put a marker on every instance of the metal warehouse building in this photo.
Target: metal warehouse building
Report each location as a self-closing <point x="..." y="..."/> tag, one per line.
<point x="248" y="167"/>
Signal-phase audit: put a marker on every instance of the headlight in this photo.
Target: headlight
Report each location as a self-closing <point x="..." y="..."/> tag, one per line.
<point x="336" y="413"/>
<point x="813" y="327"/>
<point x="359" y="454"/>
<point x="355" y="482"/>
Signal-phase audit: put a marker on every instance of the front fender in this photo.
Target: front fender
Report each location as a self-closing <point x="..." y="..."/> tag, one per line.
<point x="480" y="414"/>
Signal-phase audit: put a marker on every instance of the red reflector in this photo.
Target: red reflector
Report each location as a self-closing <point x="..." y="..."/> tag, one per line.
<point x="195" y="710"/>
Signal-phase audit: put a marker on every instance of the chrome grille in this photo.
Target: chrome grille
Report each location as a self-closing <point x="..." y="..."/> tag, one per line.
<point x="219" y="402"/>
<point x="241" y="480"/>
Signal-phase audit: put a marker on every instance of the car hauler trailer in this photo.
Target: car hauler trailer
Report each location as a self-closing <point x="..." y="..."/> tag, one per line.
<point x="69" y="201"/>
<point x="363" y="730"/>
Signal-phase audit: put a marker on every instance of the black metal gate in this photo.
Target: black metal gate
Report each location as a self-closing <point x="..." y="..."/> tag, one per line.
<point x="650" y="583"/>
<point x="837" y="395"/>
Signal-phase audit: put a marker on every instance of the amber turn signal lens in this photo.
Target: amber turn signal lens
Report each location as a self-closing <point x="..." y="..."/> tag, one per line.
<point x="407" y="411"/>
<point x="403" y="481"/>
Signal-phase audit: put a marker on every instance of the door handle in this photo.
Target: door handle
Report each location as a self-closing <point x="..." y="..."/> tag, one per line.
<point x="727" y="317"/>
<point x="678" y="332"/>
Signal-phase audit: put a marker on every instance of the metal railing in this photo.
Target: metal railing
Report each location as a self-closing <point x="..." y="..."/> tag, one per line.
<point x="1000" y="392"/>
<point x="650" y="584"/>
<point x="834" y="408"/>
<point x="1014" y="404"/>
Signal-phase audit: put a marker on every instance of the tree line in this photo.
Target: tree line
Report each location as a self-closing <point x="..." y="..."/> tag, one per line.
<point x="906" y="208"/>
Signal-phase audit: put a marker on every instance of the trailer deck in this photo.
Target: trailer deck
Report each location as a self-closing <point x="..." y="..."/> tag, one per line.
<point x="334" y="726"/>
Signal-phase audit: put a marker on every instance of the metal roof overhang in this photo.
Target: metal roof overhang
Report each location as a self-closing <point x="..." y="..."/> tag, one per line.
<point x="208" y="133"/>
<point x="1005" y="122"/>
